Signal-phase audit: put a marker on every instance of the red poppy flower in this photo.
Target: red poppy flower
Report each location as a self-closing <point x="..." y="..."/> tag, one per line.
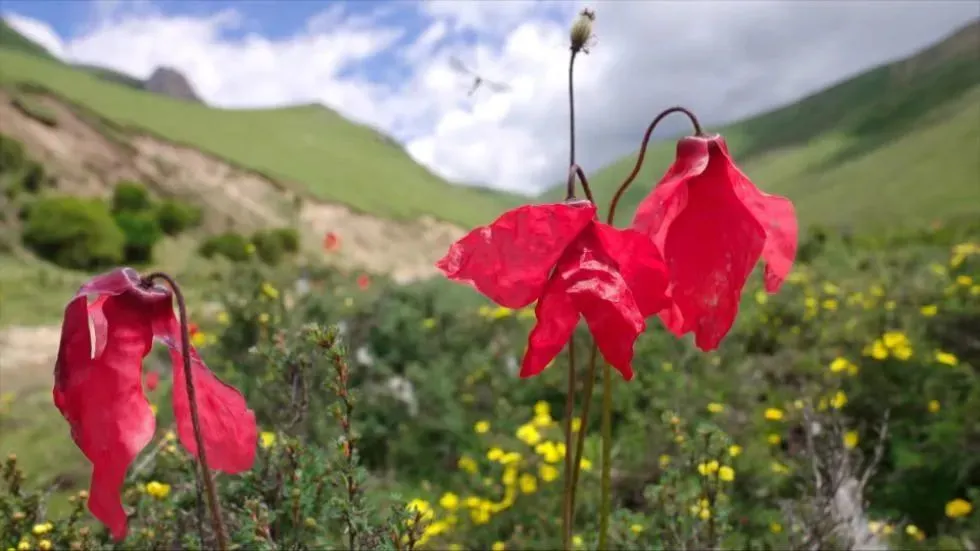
<point x="363" y="281"/>
<point x="331" y="242"/>
<point x="152" y="380"/>
<point x="712" y="225"/>
<point x="572" y="264"/>
<point x="98" y="388"/>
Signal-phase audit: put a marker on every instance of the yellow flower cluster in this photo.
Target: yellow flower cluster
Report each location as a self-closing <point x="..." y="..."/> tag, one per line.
<point x="499" y="312"/>
<point x="713" y="468"/>
<point x="893" y="344"/>
<point x="158" y="490"/>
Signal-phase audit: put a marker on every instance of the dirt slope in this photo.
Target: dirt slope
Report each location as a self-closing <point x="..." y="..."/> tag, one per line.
<point x="88" y="157"/>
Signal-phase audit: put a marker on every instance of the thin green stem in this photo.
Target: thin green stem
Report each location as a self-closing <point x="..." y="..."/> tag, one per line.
<point x="566" y="502"/>
<point x="580" y="437"/>
<point x="605" y="504"/>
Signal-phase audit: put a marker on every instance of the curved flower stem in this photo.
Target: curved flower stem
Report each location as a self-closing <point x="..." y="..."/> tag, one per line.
<point x="185" y="351"/>
<point x="575" y="170"/>
<point x="605" y="505"/>
<point x="643" y="151"/>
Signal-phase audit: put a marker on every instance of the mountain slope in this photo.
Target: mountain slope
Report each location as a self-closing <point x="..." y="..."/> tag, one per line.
<point x="13" y="40"/>
<point x="894" y="146"/>
<point x="311" y="148"/>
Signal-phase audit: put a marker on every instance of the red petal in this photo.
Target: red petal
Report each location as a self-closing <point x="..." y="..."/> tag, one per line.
<point x="711" y="248"/>
<point x="511" y="259"/>
<point x="556" y="321"/>
<point x="777" y="216"/>
<point x="602" y="295"/>
<point x="640" y="264"/>
<point x="659" y="209"/>
<point x="227" y="425"/>
<point x="99" y="392"/>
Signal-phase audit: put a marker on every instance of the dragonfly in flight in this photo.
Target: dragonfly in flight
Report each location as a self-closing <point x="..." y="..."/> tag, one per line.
<point x="478" y="80"/>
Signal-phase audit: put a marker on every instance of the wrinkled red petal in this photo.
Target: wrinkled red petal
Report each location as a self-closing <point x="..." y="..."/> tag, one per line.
<point x="227" y="424"/>
<point x="556" y="321"/>
<point x="657" y="211"/>
<point x="640" y="263"/>
<point x="777" y="216"/>
<point x="711" y="248"/>
<point x="98" y="390"/>
<point x="587" y="281"/>
<point x="601" y="294"/>
<point x="511" y="259"/>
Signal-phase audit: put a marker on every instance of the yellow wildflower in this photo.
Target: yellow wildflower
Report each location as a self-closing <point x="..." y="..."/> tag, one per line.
<point x="577" y="541"/>
<point x="726" y="473"/>
<point x="585" y="465"/>
<point x="667" y="366"/>
<point x="761" y="297"/>
<point x="24" y="545"/>
<point x="779" y="468"/>
<point x="494" y="454"/>
<point x="664" y="460"/>
<point x="43" y="528"/>
<point x="964" y="280"/>
<point x="498" y="546"/>
<point x="839" y="400"/>
<point x="267" y="439"/>
<point x="709" y="468"/>
<point x="481" y="427"/>
<point x="851" y="439"/>
<point x="428" y="323"/>
<point x="636" y="528"/>
<point x="715" y="407"/>
<point x="774" y="414"/>
<point x="44" y="545"/>
<point x="576" y="424"/>
<point x="548" y="473"/>
<point x="946" y="358"/>
<point x="929" y="310"/>
<point x="158" y="490"/>
<point x="734" y="450"/>
<point x="542" y="408"/>
<point x="913" y="531"/>
<point x="934" y="406"/>
<point x="775" y="527"/>
<point x="877" y="350"/>
<point x="958" y="508"/>
<point x="449" y="501"/>
<point x="466" y="463"/>
<point x="528" y="483"/>
<point x="829" y="304"/>
<point x="528" y="434"/>
<point x="510" y="458"/>
<point x="774" y="439"/>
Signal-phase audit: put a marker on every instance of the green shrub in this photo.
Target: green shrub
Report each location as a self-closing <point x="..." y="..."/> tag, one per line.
<point x="176" y="216"/>
<point x="11" y="154"/>
<point x="142" y="232"/>
<point x="273" y="245"/>
<point x="130" y="197"/>
<point x="73" y="232"/>
<point x="230" y="245"/>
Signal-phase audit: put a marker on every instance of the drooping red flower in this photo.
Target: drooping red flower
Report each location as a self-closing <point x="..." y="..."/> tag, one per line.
<point x="712" y="225"/>
<point x="572" y="264"/>
<point x="152" y="380"/>
<point x="331" y="242"/>
<point x="98" y="388"/>
<point x="363" y="281"/>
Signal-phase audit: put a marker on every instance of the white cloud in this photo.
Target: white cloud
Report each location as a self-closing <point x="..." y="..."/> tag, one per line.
<point x="724" y="59"/>
<point x="38" y="31"/>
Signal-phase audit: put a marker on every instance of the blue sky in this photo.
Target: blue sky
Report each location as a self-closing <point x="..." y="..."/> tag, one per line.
<point x="386" y="63"/>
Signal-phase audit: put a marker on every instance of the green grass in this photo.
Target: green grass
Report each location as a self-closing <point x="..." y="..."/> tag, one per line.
<point x="13" y="40"/>
<point x="310" y="146"/>
<point x="895" y="146"/>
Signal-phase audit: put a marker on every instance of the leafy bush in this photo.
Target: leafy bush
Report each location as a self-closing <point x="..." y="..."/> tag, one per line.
<point x="130" y="197"/>
<point x="231" y="245"/>
<point x="142" y="232"/>
<point x="176" y="217"/>
<point x="73" y="233"/>
<point x="11" y="154"/>
<point x="272" y="245"/>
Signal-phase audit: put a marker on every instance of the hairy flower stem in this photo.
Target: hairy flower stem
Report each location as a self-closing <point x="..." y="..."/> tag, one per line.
<point x="570" y="188"/>
<point x="643" y="151"/>
<point x="185" y="350"/>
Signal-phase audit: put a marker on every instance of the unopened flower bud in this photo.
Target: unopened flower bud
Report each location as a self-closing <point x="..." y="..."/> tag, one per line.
<point x="582" y="30"/>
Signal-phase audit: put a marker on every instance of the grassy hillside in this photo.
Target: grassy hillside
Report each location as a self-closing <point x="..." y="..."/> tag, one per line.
<point x="13" y="40"/>
<point x="896" y="145"/>
<point x="331" y="157"/>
